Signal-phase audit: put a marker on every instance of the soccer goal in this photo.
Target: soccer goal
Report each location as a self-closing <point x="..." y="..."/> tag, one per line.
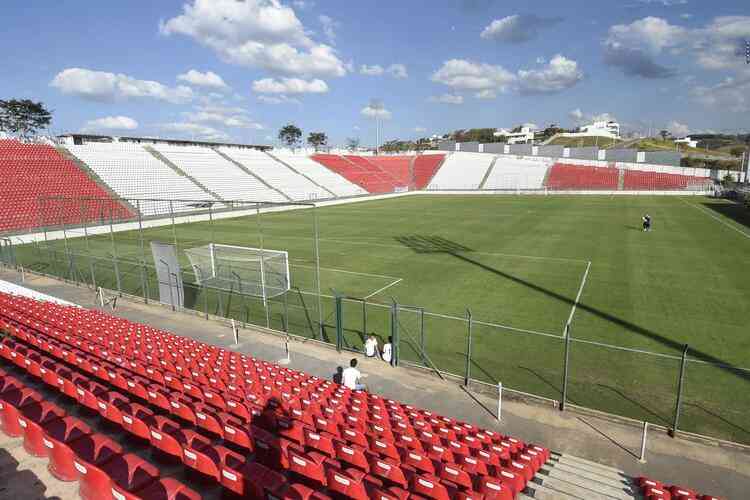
<point x="252" y="271"/>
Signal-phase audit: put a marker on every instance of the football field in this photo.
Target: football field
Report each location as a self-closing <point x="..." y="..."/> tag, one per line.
<point x="524" y="266"/>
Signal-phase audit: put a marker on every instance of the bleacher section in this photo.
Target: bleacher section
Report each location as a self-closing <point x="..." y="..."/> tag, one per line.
<point x="516" y="174"/>
<point x="218" y="174"/>
<point x="254" y="427"/>
<point x="135" y="405"/>
<point x="647" y="181"/>
<point x="278" y="175"/>
<point x="132" y="172"/>
<point x="395" y="166"/>
<point x="332" y="181"/>
<point x="575" y="177"/>
<point x="29" y="172"/>
<point x="462" y="171"/>
<point x="359" y="171"/>
<point x="425" y="166"/>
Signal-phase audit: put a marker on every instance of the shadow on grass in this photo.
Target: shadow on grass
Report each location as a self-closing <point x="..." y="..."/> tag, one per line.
<point x="735" y="211"/>
<point x="716" y="416"/>
<point x="659" y="418"/>
<point x="425" y="244"/>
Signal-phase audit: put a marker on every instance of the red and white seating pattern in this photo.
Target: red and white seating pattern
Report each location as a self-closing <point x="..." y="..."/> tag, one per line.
<point x="256" y="428"/>
<point x="29" y="172"/>
<point x="566" y="176"/>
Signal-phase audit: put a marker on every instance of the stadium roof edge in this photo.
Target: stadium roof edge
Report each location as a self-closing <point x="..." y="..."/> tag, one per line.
<point x="82" y="138"/>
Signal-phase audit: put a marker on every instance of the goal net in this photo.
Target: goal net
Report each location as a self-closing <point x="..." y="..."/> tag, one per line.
<point x="251" y="271"/>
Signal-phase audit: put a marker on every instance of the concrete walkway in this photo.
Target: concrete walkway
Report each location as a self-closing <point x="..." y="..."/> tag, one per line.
<point x="708" y="467"/>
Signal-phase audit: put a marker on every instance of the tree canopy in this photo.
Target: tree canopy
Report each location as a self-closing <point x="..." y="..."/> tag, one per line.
<point x="23" y="117"/>
<point x="290" y="135"/>
<point x="317" y="139"/>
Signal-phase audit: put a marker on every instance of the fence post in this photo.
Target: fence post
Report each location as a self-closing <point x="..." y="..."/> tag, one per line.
<point x="467" y="372"/>
<point x="286" y="311"/>
<point x="364" y="318"/>
<point x="499" y="400"/>
<point x="339" y="322"/>
<point x="114" y="253"/>
<point x="678" y="406"/>
<point x="421" y="333"/>
<point x="565" y="368"/>
<point x="642" y="459"/>
<point x="395" y="334"/>
<point x="144" y="281"/>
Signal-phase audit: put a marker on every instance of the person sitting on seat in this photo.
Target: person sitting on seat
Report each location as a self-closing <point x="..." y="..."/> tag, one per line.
<point x="371" y="346"/>
<point x="351" y="377"/>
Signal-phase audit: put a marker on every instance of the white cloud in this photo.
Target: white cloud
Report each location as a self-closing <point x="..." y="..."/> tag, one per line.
<point x="374" y="70"/>
<point x="110" y="123"/>
<point x="576" y="115"/>
<point x="517" y="28"/>
<point x="195" y="130"/>
<point x="732" y="94"/>
<point x="633" y="47"/>
<point x="420" y="130"/>
<point x="371" y="111"/>
<point x="561" y="73"/>
<point x="277" y="99"/>
<point x="329" y="27"/>
<point x="489" y="80"/>
<point x="290" y="86"/>
<point x="303" y="4"/>
<point x="233" y="117"/>
<point x="256" y="33"/>
<point x="721" y="44"/>
<point x="102" y="86"/>
<point x="468" y="75"/>
<point x="398" y="71"/>
<point x="448" y="99"/>
<point x="209" y="79"/>
<point x="678" y="129"/>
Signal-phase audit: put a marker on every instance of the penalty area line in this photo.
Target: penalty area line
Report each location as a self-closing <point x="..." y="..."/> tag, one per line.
<point x="394" y="283"/>
<point x="578" y="297"/>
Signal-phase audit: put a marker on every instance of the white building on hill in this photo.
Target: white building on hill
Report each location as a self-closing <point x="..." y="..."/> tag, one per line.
<point x="691" y="143"/>
<point x="526" y="135"/>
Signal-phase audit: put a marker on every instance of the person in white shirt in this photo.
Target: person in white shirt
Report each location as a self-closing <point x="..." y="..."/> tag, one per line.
<point x="388" y="351"/>
<point x="371" y="346"/>
<point x="351" y="376"/>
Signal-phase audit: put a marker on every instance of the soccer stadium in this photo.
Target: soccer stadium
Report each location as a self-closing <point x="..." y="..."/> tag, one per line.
<point x="188" y="311"/>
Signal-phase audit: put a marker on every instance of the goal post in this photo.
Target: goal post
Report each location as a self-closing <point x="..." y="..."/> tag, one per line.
<point x="251" y="271"/>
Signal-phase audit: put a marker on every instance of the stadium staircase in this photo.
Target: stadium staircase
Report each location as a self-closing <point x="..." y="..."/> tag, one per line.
<point x="488" y="173"/>
<point x="248" y="172"/>
<point x="156" y="154"/>
<point x="290" y="167"/>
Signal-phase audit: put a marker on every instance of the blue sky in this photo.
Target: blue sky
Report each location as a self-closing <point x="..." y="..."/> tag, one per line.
<point x="237" y="71"/>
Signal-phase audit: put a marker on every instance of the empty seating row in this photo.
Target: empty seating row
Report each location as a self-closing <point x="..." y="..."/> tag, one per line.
<point x="648" y="181"/>
<point x="462" y="171"/>
<point x="40" y="188"/>
<point x="278" y="175"/>
<point x="310" y="430"/>
<point x="516" y="174"/>
<point x="655" y="490"/>
<point x="398" y="167"/>
<point x="425" y="167"/>
<point x="218" y="174"/>
<point x="359" y="171"/>
<point x="566" y="176"/>
<point x="132" y="172"/>
<point x="332" y="181"/>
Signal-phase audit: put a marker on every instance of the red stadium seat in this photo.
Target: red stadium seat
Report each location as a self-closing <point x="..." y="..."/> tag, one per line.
<point x="58" y="435"/>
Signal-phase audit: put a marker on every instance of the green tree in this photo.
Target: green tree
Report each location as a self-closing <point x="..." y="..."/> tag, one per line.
<point x="664" y="134"/>
<point x="737" y="151"/>
<point x="23" y="117"/>
<point x="291" y="135"/>
<point x="317" y="139"/>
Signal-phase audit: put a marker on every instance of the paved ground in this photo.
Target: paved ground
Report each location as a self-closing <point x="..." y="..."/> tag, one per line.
<point x="709" y="467"/>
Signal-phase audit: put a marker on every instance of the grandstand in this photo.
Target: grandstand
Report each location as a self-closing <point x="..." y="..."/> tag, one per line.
<point x="515" y="174"/>
<point x="425" y="167"/>
<point x="30" y="172"/>
<point x="132" y="172"/>
<point x="577" y="177"/>
<point x="131" y="411"/>
<point x="462" y="171"/>
<point x="219" y="175"/>
<point x="330" y="180"/>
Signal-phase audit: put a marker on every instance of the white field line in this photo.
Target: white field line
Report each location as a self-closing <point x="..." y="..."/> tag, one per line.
<point x="349" y="272"/>
<point x="396" y="282"/>
<point x="716" y="217"/>
<point x="578" y="297"/>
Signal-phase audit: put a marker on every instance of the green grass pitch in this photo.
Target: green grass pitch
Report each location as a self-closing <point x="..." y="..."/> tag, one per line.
<point x="514" y="261"/>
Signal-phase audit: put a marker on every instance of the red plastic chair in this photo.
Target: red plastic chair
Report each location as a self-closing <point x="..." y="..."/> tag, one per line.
<point x="58" y="434"/>
<point x="209" y="460"/>
<point x="11" y="403"/>
<point x="166" y="489"/>
<point x="253" y="480"/>
<point x="429" y="487"/>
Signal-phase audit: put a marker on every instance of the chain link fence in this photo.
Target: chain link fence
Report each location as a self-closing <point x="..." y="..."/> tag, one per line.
<point x="109" y="248"/>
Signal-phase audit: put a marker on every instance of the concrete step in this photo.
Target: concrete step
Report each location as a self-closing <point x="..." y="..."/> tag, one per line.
<point x="589" y="465"/>
<point x="610" y="489"/>
<point x="558" y="469"/>
<point x="542" y="492"/>
<point x="575" y="490"/>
